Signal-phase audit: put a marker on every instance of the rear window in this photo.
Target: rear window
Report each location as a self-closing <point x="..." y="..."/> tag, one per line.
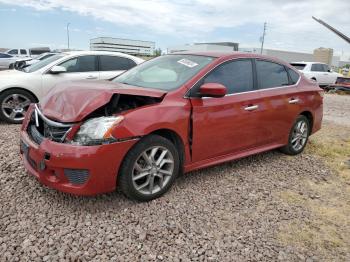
<point x="110" y="63"/>
<point x="298" y="66"/>
<point x="271" y="74"/>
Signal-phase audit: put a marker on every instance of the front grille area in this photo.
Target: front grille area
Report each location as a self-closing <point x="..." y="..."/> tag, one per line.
<point x="76" y="176"/>
<point x="40" y="127"/>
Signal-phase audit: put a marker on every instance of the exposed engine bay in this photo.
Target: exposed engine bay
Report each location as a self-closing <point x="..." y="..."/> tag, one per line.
<point x="121" y="102"/>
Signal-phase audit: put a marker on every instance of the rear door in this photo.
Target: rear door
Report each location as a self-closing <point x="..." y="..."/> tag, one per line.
<point x="231" y="123"/>
<point x="78" y="68"/>
<point x="320" y="73"/>
<point x="280" y="100"/>
<point x="112" y="66"/>
<point x="6" y="60"/>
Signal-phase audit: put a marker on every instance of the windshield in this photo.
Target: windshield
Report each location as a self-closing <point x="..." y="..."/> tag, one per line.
<point x="299" y="66"/>
<point x="42" y="63"/>
<point x="164" y="72"/>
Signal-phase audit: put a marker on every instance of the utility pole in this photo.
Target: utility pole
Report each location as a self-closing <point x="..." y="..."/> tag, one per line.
<point x="68" y="34"/>
<point x="263" y="38"/>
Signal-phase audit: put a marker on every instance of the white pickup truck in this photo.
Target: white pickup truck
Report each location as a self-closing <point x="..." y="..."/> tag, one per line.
<point x="319" y="72"/>
<point x="31" y="52"/>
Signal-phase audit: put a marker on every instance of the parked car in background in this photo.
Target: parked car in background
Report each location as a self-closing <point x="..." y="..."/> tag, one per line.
<point x="24" y="62"/>
<point x="342" y="84"/>
<point x="319" y="72"/>
<point x="172" y="114"/>
<point x="32" y="52"/>
<point x="20" y="88"/>
<point x="6" y="60"/>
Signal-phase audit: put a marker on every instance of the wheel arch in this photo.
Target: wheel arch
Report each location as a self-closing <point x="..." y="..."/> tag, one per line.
<point x="23" y="89"/>
<point x="176" y="139"/>
<point x="310" y="117"/>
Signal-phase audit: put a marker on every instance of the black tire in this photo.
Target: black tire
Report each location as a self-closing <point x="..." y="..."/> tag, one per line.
<point x="22" y="94"/>
<point x="125" y="177"/>
<point x="289" y="149"/>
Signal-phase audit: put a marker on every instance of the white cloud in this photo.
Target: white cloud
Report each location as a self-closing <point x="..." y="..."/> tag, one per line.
<point x="289" y="22"/>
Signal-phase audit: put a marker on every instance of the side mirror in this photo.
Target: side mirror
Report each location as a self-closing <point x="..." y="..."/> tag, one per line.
<point x="212" y="90"/>
<point x="58" y="70"/>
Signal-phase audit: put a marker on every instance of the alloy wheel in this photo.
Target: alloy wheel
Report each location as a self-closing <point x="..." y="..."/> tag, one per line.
<point x="153" y="170"/>
<point x="300" y="134"/>
<point x="15" y="106"/>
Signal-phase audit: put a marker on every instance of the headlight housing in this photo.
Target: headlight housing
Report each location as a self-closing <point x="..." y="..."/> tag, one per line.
<point x="97" y="131"/>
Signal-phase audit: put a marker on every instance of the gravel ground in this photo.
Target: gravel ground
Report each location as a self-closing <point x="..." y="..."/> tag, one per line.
<point x="337" y="109"/>
<point x="225" y="213"/>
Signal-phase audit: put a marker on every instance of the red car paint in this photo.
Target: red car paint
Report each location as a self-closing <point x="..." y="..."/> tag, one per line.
<point x="211" y="131"/>
<point x="72" y="101"/>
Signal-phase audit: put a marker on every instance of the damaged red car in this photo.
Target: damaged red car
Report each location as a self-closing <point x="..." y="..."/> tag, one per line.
<point x="170" y="115"/>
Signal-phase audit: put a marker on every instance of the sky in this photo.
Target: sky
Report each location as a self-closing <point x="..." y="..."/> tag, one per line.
<point x="170" y="23"/>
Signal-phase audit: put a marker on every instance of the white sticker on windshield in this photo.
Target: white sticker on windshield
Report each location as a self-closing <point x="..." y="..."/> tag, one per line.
<point x="187" y="62"/>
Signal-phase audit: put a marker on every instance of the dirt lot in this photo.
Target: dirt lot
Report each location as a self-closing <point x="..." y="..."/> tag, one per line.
<point x="266" y="207"/>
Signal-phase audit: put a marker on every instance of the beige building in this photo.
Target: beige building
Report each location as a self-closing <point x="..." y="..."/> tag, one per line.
<point x="324" y="55"/>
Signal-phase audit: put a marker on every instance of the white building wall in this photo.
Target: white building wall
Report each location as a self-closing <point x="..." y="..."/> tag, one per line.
<point x="200" y="47"/>
<point x="287" y="56"/>
<point x="128" y="46"/>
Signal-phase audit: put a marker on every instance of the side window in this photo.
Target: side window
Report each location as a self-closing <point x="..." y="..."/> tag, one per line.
<point x="111" y="63"/>
<point x="317" y="68"/>
<point x="326" y="68"/>
<point x="13" y="52"/>
<point x="294" y="76"/>
<point x="4" y="56"/>
<point x="237" y="76"/>
<point x="23" y="52"/>
<point x="80" y="64"/>
<point x="271" y="74"/>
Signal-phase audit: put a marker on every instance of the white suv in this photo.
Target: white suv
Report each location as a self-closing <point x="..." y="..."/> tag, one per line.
<point x="319" y="72"/>
<point x="20" y="88"/>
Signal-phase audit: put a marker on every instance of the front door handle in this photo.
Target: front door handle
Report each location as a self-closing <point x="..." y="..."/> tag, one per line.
<point x="251" y="108"/>
<point x="91" y="77"/>
<point x="293" y="101"/>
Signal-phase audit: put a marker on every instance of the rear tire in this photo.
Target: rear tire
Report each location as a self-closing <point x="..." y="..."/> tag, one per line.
<point x="14" y="104"/>
<point x="298" y="136"/>
<point x="149" y="169"/>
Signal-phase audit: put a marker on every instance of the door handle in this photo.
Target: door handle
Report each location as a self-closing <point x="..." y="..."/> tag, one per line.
<point x="91" y="77"/>
<point x="293" y="101"/>
<point x="251" y="108"/>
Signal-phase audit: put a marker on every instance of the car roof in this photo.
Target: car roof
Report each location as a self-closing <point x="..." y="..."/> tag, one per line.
<point x="100" y="53"/>
<point x="230" y="55"/>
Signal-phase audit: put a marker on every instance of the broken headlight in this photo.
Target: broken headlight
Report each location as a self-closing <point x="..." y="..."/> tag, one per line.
<point x="97" y="131"/>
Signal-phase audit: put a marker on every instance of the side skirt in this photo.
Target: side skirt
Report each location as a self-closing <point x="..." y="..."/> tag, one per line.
<point x="229" y="157"/>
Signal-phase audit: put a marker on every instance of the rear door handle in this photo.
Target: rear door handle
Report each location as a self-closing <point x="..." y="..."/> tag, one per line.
<point x="91" y="77"/>
<point x="293" y="101"/>
<point x="251" y="108"/>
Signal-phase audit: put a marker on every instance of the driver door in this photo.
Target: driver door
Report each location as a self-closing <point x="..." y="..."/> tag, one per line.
<point x="78" y="68"/>
<point x="229" y="124"/>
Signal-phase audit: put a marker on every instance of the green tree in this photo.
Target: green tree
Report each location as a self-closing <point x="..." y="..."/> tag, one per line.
<point x="158" y="52"/>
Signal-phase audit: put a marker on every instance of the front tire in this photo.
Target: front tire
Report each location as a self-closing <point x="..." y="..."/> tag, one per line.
<point x="298" y="136"/>
<point x="149" y="168"/>
<point x="14" y="103"/>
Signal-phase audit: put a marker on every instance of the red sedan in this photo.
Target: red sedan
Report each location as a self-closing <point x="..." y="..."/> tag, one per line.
<point x="169" y="115"/>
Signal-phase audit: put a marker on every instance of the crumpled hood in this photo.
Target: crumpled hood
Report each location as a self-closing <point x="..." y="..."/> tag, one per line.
<point x="72" y="101"/>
